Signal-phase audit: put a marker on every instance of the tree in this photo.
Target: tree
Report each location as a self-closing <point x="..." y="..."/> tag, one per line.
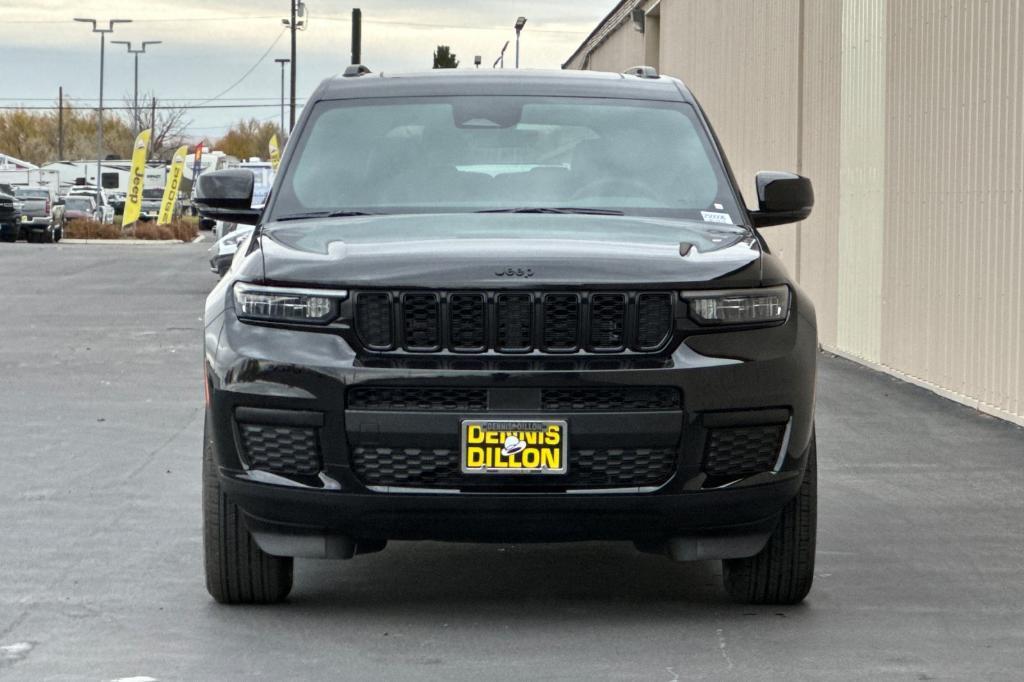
<point x="168" y="130"/>
<point x="444" y="58"/>
<point x="33" y="135"/>
<point x="249" y="138"/>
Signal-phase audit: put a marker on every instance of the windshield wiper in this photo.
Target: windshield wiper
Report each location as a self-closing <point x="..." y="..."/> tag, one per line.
<point x="322" y="214"/>
<point x="545" y="209"/>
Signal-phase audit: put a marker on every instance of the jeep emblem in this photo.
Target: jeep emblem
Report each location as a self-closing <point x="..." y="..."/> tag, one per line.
<point x="515" y="272"/>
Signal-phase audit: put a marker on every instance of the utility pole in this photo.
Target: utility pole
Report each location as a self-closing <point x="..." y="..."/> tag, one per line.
<point x="282" y="62"/>
<point x="136" y="116"/>
<point x="357" y="36"/>
<point x="99" y="115"/>
<point x="60" y="124"/>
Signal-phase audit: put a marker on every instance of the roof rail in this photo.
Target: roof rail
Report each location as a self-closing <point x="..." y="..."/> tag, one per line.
<point x="642" y="72"/>
<point x="356" y="70"/>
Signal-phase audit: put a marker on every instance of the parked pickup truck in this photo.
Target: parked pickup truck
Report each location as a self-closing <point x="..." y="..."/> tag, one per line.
<point x="42" y="218"/>
<point x="10" y="214"/>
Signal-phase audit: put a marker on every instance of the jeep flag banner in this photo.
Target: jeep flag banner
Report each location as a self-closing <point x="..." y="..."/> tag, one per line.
<point x="275" y="152"/>
<point x="171" y="188"/>
<point x="136" y="179"/>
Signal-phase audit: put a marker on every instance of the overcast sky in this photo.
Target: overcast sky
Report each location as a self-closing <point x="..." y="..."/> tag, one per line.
<point x="210" y="44"/>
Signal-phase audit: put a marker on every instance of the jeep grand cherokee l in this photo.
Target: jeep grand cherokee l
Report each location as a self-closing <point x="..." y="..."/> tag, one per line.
<point x="507" y="307"/>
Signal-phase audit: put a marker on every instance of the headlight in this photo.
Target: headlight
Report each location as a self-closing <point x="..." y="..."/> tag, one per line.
<point x="274" y="304"/>
<point x="738" y="306"/>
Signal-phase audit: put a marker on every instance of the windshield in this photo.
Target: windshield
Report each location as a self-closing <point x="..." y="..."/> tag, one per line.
<point x="78" y="204"/>
<point x="460" y="154"/>
<point x="22" y="193"/>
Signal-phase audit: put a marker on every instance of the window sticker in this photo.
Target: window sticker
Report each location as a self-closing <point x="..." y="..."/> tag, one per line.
<point x="713" y="217"/>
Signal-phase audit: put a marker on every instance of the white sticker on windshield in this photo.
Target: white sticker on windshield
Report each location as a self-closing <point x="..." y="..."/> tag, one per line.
<point x="712" y="217"/>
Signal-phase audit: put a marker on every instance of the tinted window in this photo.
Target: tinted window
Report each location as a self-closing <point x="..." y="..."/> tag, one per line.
<point x="484" y="153"/>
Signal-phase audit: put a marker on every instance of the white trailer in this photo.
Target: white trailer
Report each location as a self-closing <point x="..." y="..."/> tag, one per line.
<point x="115" y="172"/>
<point x="36" y="177"/>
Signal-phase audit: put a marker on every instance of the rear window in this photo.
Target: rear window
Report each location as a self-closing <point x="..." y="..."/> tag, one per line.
<point x="25" y="193"/>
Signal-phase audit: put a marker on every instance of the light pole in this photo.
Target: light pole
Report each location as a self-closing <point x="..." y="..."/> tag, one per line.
<point x="501" y="57"/>
<point x="99" y="117"/>
<point x="137" y="122"/>
<point x="282" y="62"/>
<point x="520" y="22"/>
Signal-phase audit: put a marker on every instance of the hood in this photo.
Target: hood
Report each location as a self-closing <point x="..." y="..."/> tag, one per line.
<point x="507" y="251"/>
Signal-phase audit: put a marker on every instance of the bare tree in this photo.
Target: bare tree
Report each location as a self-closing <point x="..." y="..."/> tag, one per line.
<point x="168" y="128"/>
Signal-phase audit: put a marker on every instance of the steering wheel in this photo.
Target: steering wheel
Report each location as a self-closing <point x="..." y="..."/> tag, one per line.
<point x="616" y="185"/>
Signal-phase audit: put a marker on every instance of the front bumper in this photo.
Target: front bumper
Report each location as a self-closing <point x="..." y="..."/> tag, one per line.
<point x="302" y="379"/>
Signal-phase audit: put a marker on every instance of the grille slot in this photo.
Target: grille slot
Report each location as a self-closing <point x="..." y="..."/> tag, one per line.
<point x="608" y="321"/>
<point x="416" y="398"/>
<point x="561" y="322"/>
<point x="420" y="322"/>
<point x="439" y="468"/>
<point x="513" y="322"/>
<point x="583" y="399"/>
<point x="742" y="451"/>
<point x="281" y="449"/>
<point x="654" y="320"/>
<point x="467" y="329"/>
<point x="374" y="320"/>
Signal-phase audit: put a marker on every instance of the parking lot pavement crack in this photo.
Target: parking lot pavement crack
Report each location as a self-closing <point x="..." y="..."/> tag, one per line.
<point x="148" y="459"/>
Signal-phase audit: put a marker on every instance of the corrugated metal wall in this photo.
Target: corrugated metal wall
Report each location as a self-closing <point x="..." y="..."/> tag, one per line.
<point x="909" y="117"/>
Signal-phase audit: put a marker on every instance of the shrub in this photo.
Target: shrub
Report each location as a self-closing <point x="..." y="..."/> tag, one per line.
<point x="91" y="229"/>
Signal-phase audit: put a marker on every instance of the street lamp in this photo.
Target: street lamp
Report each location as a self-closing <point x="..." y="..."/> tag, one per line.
<point x="282" y="62"/>
<point x="501" y="57"/>
<point x="99" y="117"/>
<point x="520" y="22"/>
<point x="142" y="50"/>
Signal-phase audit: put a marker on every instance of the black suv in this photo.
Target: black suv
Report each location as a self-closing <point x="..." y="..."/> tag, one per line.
<point x="508" y="307"/>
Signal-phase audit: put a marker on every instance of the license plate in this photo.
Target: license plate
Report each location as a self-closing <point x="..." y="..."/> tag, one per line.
<point x="499" y="446"/>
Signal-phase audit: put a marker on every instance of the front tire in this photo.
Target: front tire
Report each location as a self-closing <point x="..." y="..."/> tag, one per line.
<point x="237" y="570"/>
<point x="783" y="571"/>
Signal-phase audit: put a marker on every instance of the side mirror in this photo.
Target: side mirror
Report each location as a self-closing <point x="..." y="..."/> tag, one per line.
<point x="227" y="195"/>
<point x="782" y="198"/>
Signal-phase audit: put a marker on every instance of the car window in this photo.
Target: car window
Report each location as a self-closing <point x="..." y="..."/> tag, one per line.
<point x="488" y="153"/>
<point x="152" y="194"/>
<point x="31" y="193"/>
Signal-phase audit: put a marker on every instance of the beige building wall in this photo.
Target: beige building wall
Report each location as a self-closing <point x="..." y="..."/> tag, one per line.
<point x="908" y="115"/>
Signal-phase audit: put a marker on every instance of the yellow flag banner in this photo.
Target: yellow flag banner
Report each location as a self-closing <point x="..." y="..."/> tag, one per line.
<point x="275" y="152"/>
<point x="171" y="188"/>
<point x="136" y="179"/>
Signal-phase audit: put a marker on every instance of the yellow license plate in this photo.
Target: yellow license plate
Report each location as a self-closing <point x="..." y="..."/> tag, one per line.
<point x="500" y="446"/>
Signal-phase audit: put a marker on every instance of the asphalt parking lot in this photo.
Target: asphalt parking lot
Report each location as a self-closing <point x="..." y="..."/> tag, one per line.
<point x="920" y="570"/>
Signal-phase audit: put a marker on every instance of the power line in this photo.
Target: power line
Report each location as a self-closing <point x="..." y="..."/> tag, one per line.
<point x="247" y="73"/>
<point x="326" y="17"/>
<point x="160" y="107"/>
<point x="166" y="20"/>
